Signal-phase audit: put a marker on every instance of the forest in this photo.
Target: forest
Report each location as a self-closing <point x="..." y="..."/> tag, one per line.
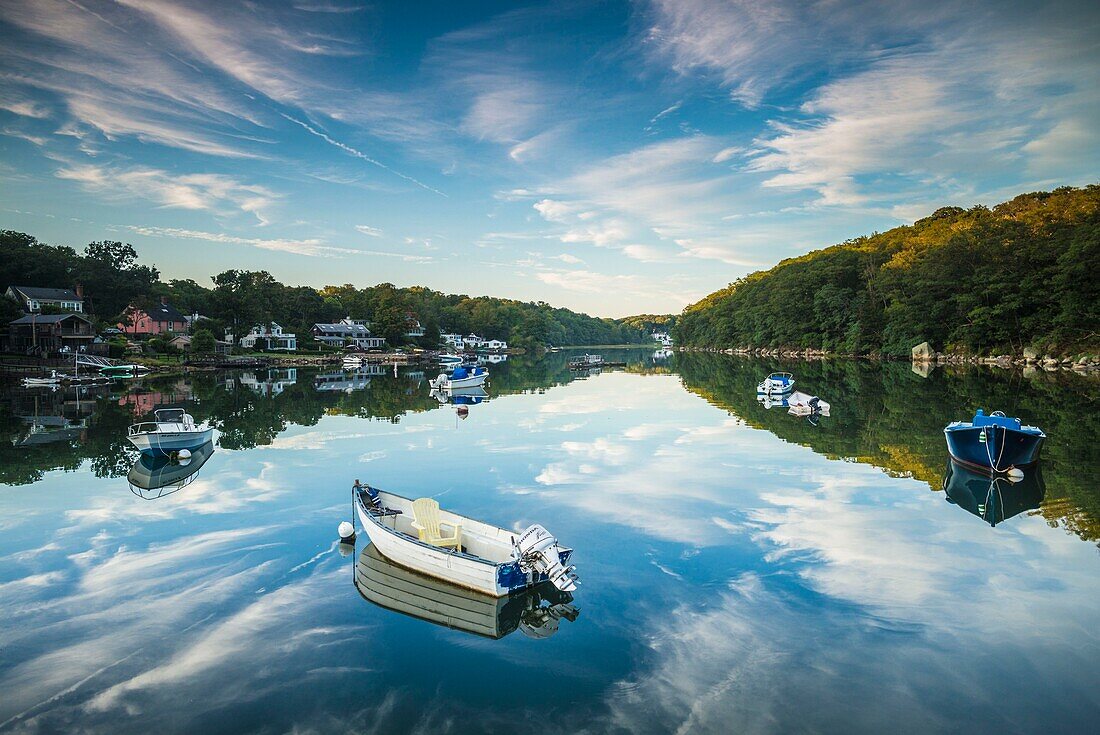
<point x="975" y="281"/>
<point x="113" y="278"/>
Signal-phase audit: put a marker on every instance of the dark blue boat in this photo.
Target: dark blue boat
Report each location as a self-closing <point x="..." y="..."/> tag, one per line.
<point x="993" y="498"/>
<point x="993" y="443"/>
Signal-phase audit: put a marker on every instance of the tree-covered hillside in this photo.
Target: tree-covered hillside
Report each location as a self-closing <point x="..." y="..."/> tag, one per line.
<point x="980" y="280"/>
<point x="112" y="279"/>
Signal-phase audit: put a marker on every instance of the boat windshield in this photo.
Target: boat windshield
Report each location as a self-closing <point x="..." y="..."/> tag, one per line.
<point x="170" y="415"/>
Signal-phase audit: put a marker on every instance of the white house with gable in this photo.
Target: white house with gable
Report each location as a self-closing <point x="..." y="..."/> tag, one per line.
<point x="270" y="337"/>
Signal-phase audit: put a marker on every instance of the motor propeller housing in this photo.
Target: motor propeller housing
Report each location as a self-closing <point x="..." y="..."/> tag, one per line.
<point x="538" y="551"/>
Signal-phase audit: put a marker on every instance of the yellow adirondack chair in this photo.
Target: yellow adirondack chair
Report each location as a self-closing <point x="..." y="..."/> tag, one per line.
<point x="426" y="522"/>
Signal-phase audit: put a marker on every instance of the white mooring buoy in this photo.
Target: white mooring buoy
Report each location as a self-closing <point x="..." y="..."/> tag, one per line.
<point x="1015" y="474"/>
<point x="347" y="532"/>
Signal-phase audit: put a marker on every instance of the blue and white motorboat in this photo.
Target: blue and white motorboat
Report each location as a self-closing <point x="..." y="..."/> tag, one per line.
<point x="174" y="429"/>
<point x="463" y="376"/>
<point x="495" y="561"/>
<point x="994" y="443"/>
<point x="776" y="384"/>
<point x="993" y="498"/>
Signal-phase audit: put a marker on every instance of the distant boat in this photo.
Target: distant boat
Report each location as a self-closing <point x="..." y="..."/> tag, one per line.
<point x="450" y="359"/>
<point x="585" y="361"/>
<point x="173" y="429"/>
<point x="803" y="404"/>
<point x="53" y="379"/>
<point x="123" y="370"/>
<point x="994" y="443"/>
<point x="166" y="475"/>
<point x="537" y="611"/>
<point x="993" y="498"/>
<point x="460" y="550"/>
<point x="461" y="377"/>
<point x="776" y="384"/>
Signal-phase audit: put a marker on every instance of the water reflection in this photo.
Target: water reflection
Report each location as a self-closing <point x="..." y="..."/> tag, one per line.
<point x="538" y="611"/>
<point x="993" y="498"/>
<point x="156" y="475"/>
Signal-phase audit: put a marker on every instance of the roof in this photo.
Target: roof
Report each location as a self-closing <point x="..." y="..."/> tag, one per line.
<point x="350" y="329"/>
<point x="47" y="294"/>
<point x="48" y="318"/>
<point x="164" y="313"/>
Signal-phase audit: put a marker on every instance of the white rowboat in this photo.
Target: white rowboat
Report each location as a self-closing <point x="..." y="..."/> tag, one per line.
<point x="488" y="559"/>
<point x="173" y="430"/>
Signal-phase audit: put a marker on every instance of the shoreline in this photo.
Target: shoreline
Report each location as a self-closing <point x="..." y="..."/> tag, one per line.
<point x="1084" y="364"/>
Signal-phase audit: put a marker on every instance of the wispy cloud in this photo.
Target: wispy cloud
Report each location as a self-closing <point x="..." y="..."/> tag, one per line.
<point x="368" y="230"/>
<point x="359" y="154"/>
<point x="312" y="247"/>
<point x="208" y="192"/>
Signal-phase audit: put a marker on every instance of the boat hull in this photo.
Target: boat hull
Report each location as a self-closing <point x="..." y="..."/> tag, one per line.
<point x="459" y="569"/>
<point x="1002" y="449"/>
<point x="497" y="579"/>
<point x="170" y="441"/>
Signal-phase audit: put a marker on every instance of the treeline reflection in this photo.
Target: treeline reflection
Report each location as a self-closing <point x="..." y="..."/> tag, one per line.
<point x="886" y="415"/>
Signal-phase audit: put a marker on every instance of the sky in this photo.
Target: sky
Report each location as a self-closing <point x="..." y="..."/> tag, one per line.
<point x="615" y="158"/>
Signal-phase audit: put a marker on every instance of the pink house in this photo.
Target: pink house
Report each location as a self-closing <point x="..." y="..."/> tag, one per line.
<point x="156" y="320"/>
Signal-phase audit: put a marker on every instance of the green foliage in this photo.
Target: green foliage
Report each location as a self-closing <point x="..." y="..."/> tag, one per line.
<point x="202" y="342"/>
<point x="241" y="299"/>
<point x="649" y="323"/>
<point x="980" y="280"/>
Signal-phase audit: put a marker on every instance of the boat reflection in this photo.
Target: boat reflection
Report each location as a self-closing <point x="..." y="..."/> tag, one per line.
<point x="461" y="396"/>
<point x="537" y="611"/>
<point x="772" y="401"/>
<point x="993" y="499"/>
<point x="154" y="476"/>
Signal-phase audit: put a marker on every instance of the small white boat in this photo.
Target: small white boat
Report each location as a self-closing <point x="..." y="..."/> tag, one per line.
<point x="461" y="377"/>
<point x="53" y="379"/>
<point x="776" y="384"/>
<point x="460" y="550"/>
<point x="450" y="359"/>
<point x="173" y="429"/>
<point x="803" y="404"/>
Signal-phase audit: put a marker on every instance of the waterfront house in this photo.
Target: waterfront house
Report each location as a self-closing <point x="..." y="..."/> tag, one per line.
<point x="48" y="333"/>
<point x="495" y="345"/>
<point x="182" y="342"/>
<point x="270" y="337"/>
<point x="452" y="340"/>
<point x="159" y="319"/>
<point x="473" y="342"/>
<point x="33" y="298"/>
<point x="413" y="327"/>
<point x="663" y="338"/>
<point x="347" y="333"/>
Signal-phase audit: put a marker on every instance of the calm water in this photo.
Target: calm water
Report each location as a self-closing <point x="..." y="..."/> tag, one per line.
<point x="742" y="569"/>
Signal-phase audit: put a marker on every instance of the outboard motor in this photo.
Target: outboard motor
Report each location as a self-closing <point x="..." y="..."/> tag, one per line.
<point x="537" y="551"/>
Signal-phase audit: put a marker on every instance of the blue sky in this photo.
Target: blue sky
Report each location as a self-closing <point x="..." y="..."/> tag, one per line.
<point x="610" y="157"/>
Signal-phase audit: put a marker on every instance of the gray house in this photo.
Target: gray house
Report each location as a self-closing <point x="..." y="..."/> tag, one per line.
<point x="33" y="298"/>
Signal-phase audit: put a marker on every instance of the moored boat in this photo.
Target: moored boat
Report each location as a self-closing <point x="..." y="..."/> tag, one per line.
<point x="124" y="370"/>
<point x="537" y="611"/>
<point x="461" y="377"/>
<point x="173" y="429"/>
<point x="460" y="550"/>
<point x="994" y="443"/>
<point x="776" y="384"/>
